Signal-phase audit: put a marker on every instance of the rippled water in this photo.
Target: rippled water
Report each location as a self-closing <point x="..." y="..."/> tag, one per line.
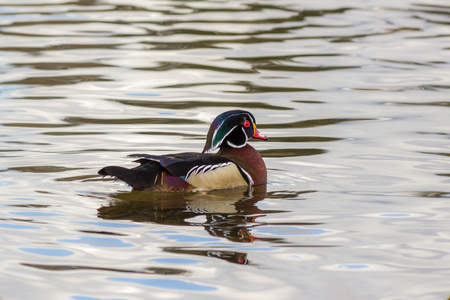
<point x="354" y="96"/>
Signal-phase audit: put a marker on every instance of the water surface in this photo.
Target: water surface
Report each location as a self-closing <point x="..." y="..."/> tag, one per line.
<point x="354" y="98"/>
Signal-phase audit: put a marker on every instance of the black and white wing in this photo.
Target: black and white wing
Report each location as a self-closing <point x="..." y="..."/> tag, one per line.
<point x="204" y="171"/>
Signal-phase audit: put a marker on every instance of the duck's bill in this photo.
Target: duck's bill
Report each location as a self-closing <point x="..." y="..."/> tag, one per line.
<point x="258" y="135"/>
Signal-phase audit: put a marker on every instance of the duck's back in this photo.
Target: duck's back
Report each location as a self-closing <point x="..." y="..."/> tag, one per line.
<point x="181" y="171"/>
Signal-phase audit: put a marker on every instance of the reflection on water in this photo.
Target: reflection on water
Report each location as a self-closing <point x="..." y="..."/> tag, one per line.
<point x="161" y="271"/>
<point x="354" y="97"/>
<point x="175" y="208"/>
<point x="229" y="214"/>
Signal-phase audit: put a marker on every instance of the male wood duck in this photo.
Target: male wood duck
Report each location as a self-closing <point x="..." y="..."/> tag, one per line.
<point x="235" y="164"/>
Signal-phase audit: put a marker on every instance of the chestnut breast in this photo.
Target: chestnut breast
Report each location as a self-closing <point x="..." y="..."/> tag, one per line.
<point x="248" y="159"/>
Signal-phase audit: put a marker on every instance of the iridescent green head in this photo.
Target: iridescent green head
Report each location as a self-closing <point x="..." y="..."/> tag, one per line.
<point x="231" y="129"/>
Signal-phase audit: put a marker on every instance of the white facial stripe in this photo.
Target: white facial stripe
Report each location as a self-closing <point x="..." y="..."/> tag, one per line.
<point x="253" y="121"/>
<point x="215" y="132"/>
<point x="233" y="145"/>
<point x="221" y="141"/>
<point x="239" y="146"/>
<point x="243" y="130"/>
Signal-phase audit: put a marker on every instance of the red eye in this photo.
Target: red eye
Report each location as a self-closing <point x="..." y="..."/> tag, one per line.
<point x="247" y="123"/>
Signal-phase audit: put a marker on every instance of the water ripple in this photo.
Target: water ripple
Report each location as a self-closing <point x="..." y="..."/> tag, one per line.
<point x="364" y="84"/>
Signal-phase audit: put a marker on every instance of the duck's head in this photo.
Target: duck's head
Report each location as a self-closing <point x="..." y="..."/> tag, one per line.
<point x="231" y="129"/>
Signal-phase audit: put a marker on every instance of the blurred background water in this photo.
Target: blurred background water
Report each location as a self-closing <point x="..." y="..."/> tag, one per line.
<point x="354" y="96"/>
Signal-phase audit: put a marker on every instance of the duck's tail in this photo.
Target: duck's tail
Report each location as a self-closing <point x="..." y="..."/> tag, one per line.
<point x="150" y="175"/>
<point x="146" y="176"/>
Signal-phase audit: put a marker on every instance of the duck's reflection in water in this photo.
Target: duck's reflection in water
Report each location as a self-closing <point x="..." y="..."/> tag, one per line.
<point x="229" y="213"/>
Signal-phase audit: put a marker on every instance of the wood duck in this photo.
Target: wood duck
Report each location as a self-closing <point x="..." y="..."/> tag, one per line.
<point x="235" y="164"/>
